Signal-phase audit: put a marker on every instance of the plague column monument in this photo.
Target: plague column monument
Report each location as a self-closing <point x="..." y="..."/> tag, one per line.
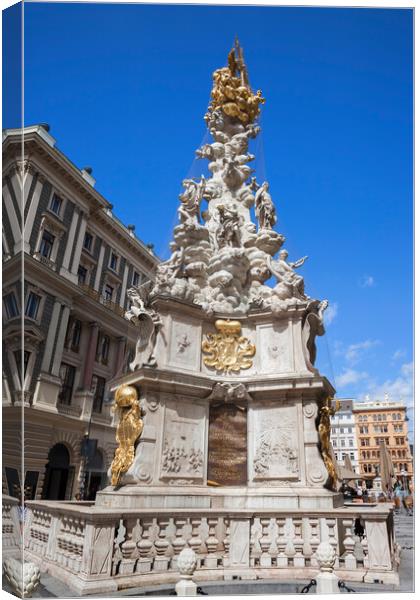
<point x="224" y="365"/>
<point x="223" y="423"/>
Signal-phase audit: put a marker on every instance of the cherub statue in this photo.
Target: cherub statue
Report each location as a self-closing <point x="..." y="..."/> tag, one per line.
<point x="189" y="211"/>
<point x="284" y="272"/>
<point x="264" y="207"/>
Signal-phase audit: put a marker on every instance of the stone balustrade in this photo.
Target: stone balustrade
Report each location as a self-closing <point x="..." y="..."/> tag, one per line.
<point x="94" y="548"/>
<point x="11" y="535"/>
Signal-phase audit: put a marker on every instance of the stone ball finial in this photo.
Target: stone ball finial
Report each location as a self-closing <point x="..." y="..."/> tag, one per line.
<point x="326" y="556"/>
<point x="187" y="562"/>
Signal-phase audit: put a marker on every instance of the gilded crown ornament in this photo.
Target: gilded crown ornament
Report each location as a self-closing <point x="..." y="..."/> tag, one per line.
<point x="228" y="351"/>
<point x="129" y="429"/>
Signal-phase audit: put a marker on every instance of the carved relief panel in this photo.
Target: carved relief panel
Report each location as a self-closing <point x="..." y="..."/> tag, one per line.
<point x="276" y="443"/>
<point x="183" y="439"/>
<point x="184" y="349"/>
<point x="275" y="345"/>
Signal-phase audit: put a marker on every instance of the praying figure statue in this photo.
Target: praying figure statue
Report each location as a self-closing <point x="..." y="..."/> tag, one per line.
<point x="264" y="206"/>
<point x="189" y="211"/>
<point x="228" y="232"/>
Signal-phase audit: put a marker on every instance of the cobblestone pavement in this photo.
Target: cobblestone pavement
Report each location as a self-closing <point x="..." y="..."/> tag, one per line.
<point x="404" y="533"/>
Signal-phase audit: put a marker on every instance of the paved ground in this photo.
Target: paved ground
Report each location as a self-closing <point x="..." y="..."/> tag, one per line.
<point x="404" y="532"/>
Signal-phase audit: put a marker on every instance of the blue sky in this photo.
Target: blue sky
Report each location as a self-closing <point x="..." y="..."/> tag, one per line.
<point x="125" y="87"/>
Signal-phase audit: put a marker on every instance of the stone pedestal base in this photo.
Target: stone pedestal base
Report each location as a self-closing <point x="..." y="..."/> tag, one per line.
<point x="327" y="583"/>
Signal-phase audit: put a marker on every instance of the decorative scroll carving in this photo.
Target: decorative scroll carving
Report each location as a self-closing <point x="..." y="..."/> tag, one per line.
<point x="324" y="429"/>
<point x="129" y="429"/>
<point x="228" y="350"/>
<point x="236" y="393"/>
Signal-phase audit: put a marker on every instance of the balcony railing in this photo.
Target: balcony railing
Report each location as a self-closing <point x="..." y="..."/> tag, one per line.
<point x="102" y="299"/>
<point x="45" y="261"/>
<point x="103" y="549"/>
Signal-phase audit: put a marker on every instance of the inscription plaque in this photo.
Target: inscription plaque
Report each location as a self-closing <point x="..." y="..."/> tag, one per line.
<point x="227" y="460"/>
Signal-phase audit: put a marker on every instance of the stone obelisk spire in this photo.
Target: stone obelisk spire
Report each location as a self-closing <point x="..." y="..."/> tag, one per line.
<point x="220" y="258"/>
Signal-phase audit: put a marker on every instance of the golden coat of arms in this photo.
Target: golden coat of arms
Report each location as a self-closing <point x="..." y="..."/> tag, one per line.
<point x="227" y="350"/>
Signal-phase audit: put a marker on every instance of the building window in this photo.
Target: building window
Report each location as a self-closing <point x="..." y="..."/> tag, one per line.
<point x="102" y="349"/>
<point x="113" y="261"/>
<point x="56" y="203"/>
<point x="18" y="359"/>
<point x="73" y="335"/>
<point x="32" y="305"/>
<point x="136" y="278"/>
<point x="108" y="292"/>
<point x="47" y="243"/>
<point x="98" y="389"/>
<point x="350" y="442"/>
<point x="351" y="455"/>
<point x="81" y="275"/>
<point x="343" y="443"/>
<point x="67" y="373"/>
<point x="334" y="443"/>
<point x="11" y="305"/>
<point x="88" y="241"/>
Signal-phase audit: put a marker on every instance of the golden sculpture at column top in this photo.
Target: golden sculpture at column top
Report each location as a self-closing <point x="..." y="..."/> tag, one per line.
<point x="231" y="90"/>
<point x="228" y="350"/>
<point x="129" y="429"/>
<point x="324" y="429"/>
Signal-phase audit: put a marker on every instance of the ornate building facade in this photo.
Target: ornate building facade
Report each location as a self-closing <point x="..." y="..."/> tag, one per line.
<point x="79" y="261"/>
<point x="343" y="434"/>
<point x="387" y="421"/>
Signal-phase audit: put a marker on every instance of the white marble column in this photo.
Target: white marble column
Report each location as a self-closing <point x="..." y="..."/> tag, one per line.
<point x="70" y="243"/>
<point x="99" y="268"/>
<point x="79" y="244"/>
<point x="30" y="217"/>
<point x="58" y="353"/>
<point x="49" y="344"/>
<point x="124" y="286"/>
<point x="14" y="219"/>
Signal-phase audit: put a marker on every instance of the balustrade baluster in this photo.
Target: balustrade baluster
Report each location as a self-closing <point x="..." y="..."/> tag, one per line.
<point x="314" y="540"/>
<point x="162" y="545"/>
<point x="332" y="535"/>
<point x="195" y="541"/>
<point x="210" y="561"/>
<point x="265" y="542"/>
<point x="306" y="533"/>
<point x="298" y="559"/>
<point x="145" y="546"/>
<point x="289" y="529"/>
<point x="226" y="542"/>
<point x="349" y="543"/>
<point x="179" y="542"/>
<point x="281" y="544"/>
<point x="128" y="549"/>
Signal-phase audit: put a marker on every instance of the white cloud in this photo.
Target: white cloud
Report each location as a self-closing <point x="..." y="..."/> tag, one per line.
<point x="350" y="376"/>
<point x="398" y="354"/>
<point x="354" y="352"/>
<point x="400" y="388"/>
<point x="367" y="281"/>
<point x="331" y="313"/>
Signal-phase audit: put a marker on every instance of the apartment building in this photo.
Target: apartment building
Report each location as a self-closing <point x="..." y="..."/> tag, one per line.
<point x="79" y="260"/>
<point x="343" y="434"/>
<point x="385" y="421"/>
